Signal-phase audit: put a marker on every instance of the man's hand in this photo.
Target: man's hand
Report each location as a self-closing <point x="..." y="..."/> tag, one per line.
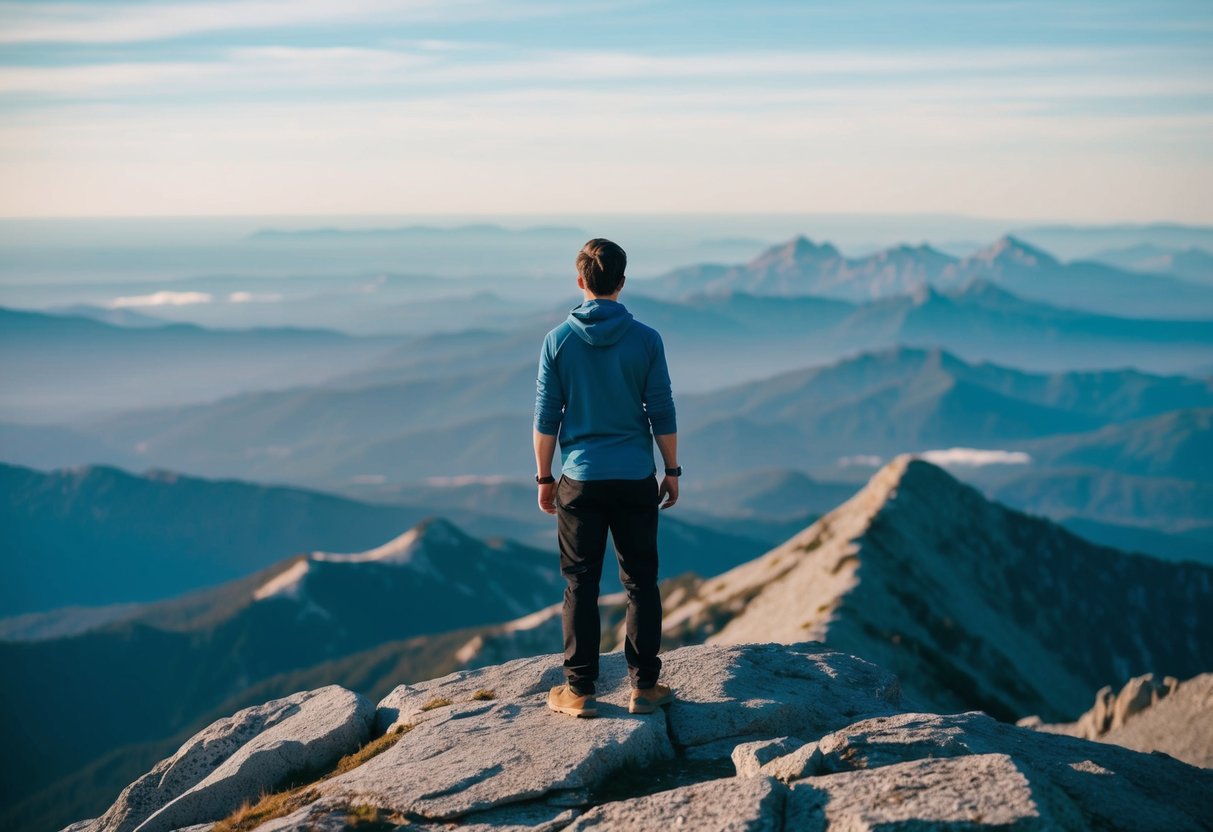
<point x="668" y="491"/>
<point x="547" y="498"/>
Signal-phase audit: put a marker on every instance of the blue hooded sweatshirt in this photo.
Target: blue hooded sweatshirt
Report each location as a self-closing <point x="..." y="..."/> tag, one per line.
<point x="604" y="389"/>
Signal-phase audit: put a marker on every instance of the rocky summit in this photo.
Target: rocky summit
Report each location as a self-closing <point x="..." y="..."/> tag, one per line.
<point x="761" y="737"/>
<point x="973" y="605"/>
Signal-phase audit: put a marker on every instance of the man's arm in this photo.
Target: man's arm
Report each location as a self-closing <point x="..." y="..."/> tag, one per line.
<point x="545" y="447"/>
<point x="658" y="398"/>
<point x="659" y="407"/>
<point x="549" y="412"/>
<point x="667" y="443"/>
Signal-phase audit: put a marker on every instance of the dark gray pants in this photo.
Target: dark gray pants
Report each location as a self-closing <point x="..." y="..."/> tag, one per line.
<point x="586" y="510"/>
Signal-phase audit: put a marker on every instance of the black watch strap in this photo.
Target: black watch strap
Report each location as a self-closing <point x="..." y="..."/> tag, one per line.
<point x="544" y="480"/>
<point x="674" y="472"/>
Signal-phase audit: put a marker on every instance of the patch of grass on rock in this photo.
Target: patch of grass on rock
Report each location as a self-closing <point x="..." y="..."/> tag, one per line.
<point x="250" y="815"/>
<point x="278" y="804"/>
<point x="484" y="694"/>
<point x="436" y="702"/>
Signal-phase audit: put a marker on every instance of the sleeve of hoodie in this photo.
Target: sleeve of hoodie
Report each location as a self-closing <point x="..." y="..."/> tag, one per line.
<point x="549" y="395"/>
<point x="658" y="399"/>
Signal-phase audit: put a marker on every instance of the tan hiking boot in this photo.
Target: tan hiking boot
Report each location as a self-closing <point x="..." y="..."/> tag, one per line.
<point x="564" y="700"/>
<point x="647" y="700"/>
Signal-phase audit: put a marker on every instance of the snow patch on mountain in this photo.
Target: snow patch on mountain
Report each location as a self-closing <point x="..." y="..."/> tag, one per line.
<point x="286" y="584"/>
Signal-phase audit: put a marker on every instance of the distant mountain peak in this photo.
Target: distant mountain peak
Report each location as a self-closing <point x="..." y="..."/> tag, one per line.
<point x="286" y="584"/>
<point x="907" y="251"/>
<point x="923" y="293"/>
<point x="986" y="290"/>
<point x="410" y="548"/>
<point x="799" y="249"/>
<point x="1010" y="249"/>
<point x="415" y="550"/>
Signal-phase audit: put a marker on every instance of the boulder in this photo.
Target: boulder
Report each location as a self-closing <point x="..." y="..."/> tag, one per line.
<point x="749" y="757"/>
<point x="731" y="805"/>
<point x="235" y="758"/>
<point x="771" y="690"/>
<point x="977" y="792"/>
<point x="755" y="759"/>
<point x="1085" y="783"/>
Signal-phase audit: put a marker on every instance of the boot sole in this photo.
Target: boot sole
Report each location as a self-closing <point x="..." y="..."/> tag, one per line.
<point x="585" y="713"/>
<point x="641" y="706"/>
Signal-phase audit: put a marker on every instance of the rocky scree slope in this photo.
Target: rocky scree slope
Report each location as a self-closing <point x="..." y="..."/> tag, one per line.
<point x="762" y="736"/>
<point x="1148" y="715"/>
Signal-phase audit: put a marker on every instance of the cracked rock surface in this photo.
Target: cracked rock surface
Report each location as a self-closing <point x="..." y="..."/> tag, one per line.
<point x="761" y="737"/>
<point x="470" y="755"/>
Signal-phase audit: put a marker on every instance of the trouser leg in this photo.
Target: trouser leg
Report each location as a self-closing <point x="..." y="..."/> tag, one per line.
<point x="582" y="531"/>
<point x="633" y="523"/>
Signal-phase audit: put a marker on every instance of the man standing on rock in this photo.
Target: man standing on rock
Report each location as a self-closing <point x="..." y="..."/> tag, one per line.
<point x="604" y="389"/>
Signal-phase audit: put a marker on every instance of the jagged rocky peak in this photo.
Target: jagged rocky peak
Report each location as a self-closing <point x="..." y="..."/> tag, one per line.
<point x="1011" y="250"/>
<point x="761" y="736"/>
<point x="905" y="253"/>
<point x="797" y="251"/>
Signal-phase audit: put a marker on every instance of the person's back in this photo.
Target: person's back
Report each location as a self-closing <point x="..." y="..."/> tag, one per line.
<point x="603" y="389"/>
<point x="612" y="376"/>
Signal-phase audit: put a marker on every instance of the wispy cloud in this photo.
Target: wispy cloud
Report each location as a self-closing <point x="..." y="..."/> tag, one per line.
<point x="463" y="480"/>
<point x="953" y="74"/>
<point x="975" y="458"/>
<point x="254" y="297"/>
<point x="405" y="105"/>
<point x="102" y="22"/>
<point x="162" y="298"/>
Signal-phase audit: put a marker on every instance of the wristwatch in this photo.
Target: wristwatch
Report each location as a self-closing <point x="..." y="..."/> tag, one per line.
<point x="544" y="480"/>
<point x="674" y="472"/>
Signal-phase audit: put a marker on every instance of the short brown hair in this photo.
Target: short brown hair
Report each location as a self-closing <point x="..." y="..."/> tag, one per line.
<point x="601" y="264"/>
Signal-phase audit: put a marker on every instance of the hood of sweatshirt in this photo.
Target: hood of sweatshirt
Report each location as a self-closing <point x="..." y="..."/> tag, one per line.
<point x="600" y="322"/>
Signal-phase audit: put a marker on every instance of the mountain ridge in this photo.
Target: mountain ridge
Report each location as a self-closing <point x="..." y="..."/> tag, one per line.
<point x="973" y="604"/>
<point x="802" y="267"/>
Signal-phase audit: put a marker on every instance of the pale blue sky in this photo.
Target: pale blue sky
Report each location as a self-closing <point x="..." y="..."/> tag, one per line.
<point x="1081" y="111"/>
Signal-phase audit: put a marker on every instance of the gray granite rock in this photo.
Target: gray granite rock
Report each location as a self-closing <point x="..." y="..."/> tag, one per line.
<point x="1107" y="786"/>
<point x="771" y="690"/>
<point x="749" y="758"/>
<point x="736" y="804"/>
<point x="794" y="764"/>
<point x="484" y="753"/>
<point x="333" y="815"/>
<point x="986" y="791"/>
<point x="529" y="817"/>
<point x="470" y="756"/>
<point x="973" y="792"/>
<point x="237" y="757"/>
